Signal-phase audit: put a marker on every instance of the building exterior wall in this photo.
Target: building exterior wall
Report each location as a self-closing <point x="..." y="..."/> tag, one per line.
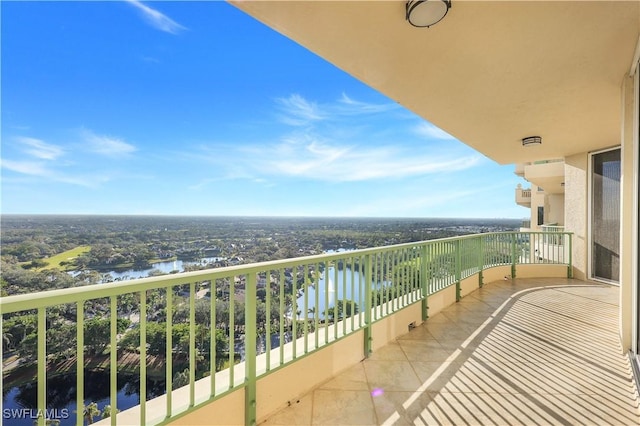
<point x="575" y="217"/>
<point x="555" y="207"/>
<point x="577" y="213"/>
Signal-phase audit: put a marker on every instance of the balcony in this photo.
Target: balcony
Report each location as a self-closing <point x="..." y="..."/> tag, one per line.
<point x="325" y="314"/>
<point x="550" y="246"/>
<point x="523" y="196"/>
<point x="547" y="174"/>
<point x="523" y="351"/>
<point x="519" y="169"/>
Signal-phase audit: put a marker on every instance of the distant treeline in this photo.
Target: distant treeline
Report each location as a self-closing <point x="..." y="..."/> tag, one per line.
<point x="137" y="241"/>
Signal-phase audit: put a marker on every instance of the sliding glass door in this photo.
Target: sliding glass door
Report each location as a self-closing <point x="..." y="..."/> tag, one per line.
<point x="605" y="216"/>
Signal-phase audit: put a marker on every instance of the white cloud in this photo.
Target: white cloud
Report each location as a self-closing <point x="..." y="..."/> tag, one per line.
<point x="312" y="158"/>
<point x="106" y="145"/>
<point x="42" y="163"/>
<point x="298" y="111"/>
<point x="425" y="196"/>
<point x="428" y="130"/>
<point x="351" y="106"/>
<point x="346" y="141"/>
<point x="40" y="149"/>
<point x="34" y="168"/>
<point x="39" y="169"/>
<point x="157" y="19"/>
<point x="308" y="157"/>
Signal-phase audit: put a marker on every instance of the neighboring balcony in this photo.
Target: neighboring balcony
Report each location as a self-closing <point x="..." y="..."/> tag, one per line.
<point x="548" y="174"/>
<point x="519" y="169"/>
<point x="523" y="196"/>
<point x="550" y="246"/>
<point x="312" y="319"/>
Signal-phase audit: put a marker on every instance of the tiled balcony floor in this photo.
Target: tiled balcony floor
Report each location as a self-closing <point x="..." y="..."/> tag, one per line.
<point x="522" y="352"/>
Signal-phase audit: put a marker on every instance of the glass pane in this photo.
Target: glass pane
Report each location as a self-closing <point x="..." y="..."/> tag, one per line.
<point x="605" y="225"/>
<point x="540" y="215"/>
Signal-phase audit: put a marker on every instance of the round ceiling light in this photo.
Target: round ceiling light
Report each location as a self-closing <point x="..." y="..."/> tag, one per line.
<point x="424" y="13"/>
<point x="531" y="140"/>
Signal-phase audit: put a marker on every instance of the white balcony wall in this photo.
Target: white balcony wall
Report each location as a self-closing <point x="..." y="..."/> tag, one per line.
<point x="575" y="218"/>
<point x="523" y="196"/>
<point x="554" y="209"/>
<point x="551" y="248"/>
<point x="549" y="176"/>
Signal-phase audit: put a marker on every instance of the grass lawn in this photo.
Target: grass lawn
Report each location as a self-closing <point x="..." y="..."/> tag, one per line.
<point x="53" y="262"/>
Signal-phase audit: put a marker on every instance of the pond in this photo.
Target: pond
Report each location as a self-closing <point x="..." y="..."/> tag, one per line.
<point x="164" y="267"/>
<point x="19" y="403"/>
<point x="345" y="285"/>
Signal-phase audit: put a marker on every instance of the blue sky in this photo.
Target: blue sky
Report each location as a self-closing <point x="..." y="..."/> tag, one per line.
<point x="195" y="108"/>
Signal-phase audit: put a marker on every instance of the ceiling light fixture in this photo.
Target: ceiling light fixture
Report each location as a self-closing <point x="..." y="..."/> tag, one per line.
<point x="424" y="13"/>
<point x="532" y="140"/>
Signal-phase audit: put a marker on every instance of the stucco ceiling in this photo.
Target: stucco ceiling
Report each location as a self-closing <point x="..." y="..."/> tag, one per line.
<point x="490" y="73"/>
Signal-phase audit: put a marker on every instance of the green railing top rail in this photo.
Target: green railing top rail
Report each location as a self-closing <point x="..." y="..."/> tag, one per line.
<point x="21" y="302"/>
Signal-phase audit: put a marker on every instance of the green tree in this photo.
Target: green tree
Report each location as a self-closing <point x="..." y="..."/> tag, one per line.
<point x="36" y="264"/>
<point x="106" y="411"/>
<point x="180" y="379"/>
<point x="97" y="335"/>
<point x="28" y="347"/>
<point x="345" y="308"/>
<point x="156" y="338"/>
<point x="142" y="255"/>
<point x="61" y="340"/>
<point x="7" y="340"/>
<point x="89" y="412"/>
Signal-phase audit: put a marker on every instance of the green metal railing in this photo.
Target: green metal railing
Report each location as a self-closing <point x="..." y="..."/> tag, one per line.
<point x="231" y="326"/>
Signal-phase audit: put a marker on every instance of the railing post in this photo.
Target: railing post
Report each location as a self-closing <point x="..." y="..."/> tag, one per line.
<point x="143" y="357"/>
<point x="424" y="282"/>
<point x="192" y="343"/>
<point x="481" y="260"/>
<point x="113" y="359"/>
<point x="458" y="270"/>
<point x="169" y="352"/>
<point x="368" y="282"/>
<point x="80" y="363"/>
<point x="42" y="365"/>
<point x="250" y="336"/>
<point x="513" y="255"/>
<point x="570" y="267"/>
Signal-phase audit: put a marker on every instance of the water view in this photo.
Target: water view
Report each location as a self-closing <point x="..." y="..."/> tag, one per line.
<point x="168" y="267"/>
<point x="104" y="248"/>
<point x="61" y="394"/>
